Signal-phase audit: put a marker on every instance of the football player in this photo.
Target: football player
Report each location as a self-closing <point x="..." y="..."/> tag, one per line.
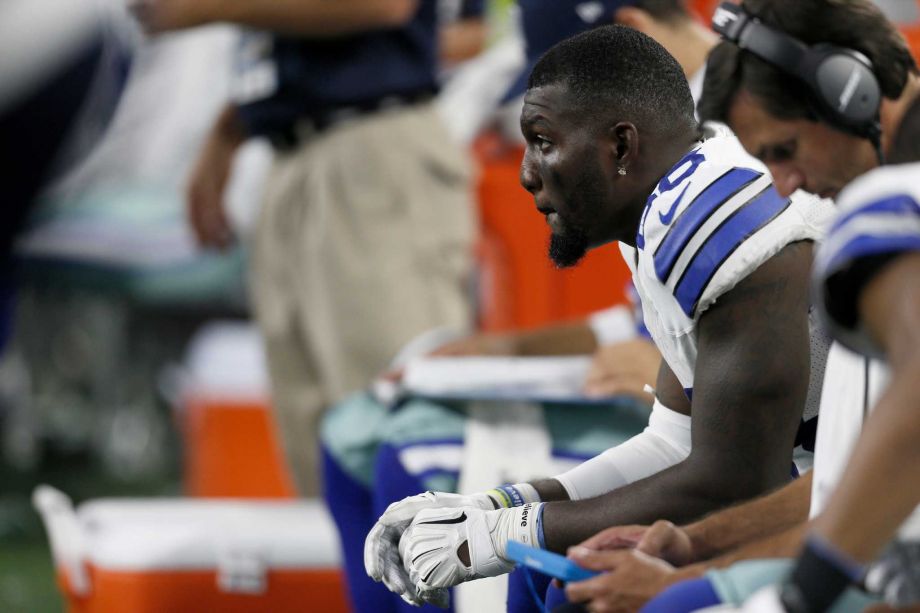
<point x="720" y="260"/>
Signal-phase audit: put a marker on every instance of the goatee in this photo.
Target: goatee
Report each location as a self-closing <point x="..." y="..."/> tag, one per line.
<point x="566" y="250"/>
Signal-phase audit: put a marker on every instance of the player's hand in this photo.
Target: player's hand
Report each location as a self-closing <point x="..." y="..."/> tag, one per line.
<point x="157" y="16"/>
<point x="444" y="547"/>
<point x="669" y="542"/>
<point x="629" y="580"/>
<point x="207" y="183"/>
<point x="662" y="540"/>
<point x="617" y="537"/>
<point x="382" y="560"/>
<point x="624" y="369"/>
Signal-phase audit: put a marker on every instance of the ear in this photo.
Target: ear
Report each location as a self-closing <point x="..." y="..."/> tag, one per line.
<point x="634" y="18"/>
<point x="623" y="139"/>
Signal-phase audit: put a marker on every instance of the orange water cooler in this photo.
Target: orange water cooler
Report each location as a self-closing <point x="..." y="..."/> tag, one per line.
<point x="178" y="555"/>
<point x="230" y="445"/>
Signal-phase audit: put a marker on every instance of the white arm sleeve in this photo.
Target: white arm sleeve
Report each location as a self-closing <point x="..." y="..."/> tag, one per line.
<point x="664" y="442"/>
<point x="613" y="325"/>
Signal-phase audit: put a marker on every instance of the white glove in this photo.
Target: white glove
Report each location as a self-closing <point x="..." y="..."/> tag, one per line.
<point x="381" y="548"/>
<point x="431" y="545"/>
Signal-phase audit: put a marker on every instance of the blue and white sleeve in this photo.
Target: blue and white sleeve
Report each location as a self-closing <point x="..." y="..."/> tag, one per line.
<point x="879" y="219"/>
<point x="730" y="228"/>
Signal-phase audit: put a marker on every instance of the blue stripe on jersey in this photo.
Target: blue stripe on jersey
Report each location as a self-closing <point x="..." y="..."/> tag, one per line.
<point x="866" y="245"/>
<point x="696" y="214"/>
<point x="742" y="224"/>
<point x="901" y="204"/>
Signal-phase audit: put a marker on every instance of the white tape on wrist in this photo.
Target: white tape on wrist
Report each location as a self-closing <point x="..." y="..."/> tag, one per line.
<point x="521" y="524"/>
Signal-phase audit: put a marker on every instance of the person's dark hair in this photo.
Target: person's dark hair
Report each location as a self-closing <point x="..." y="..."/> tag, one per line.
<point x="855" y="24"/>
<point x="623" y="73"/>
<point x="906" y="144"/>
<point x="668" y="11"/>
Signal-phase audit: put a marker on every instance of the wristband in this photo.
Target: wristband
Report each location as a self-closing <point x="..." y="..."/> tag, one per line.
<point x="517" y="495"/>
<point x="541" y="540"/>
<point x="821" y="574"/>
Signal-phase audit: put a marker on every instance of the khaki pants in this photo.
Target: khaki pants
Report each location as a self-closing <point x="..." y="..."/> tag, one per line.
<point x="364" y="241"/>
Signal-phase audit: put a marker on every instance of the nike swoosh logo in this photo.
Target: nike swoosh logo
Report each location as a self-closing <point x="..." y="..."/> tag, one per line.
<point x="424" y="553"/>
<point x="431" y="572"/>
<point x="456" y="520"/>
<point x="666" y="218"/>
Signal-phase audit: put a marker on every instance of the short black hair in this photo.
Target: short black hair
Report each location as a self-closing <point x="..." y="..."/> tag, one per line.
<point x="669" y="11"/>
<point x="621" y="71"/>
<point x="906" y="144"/>
<point x="855" y="24"/>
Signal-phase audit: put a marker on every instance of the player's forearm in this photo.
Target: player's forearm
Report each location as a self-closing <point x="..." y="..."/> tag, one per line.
<point x="570" y="338"/>
<point x="747" y="522"/>
<point x="462" y="40"/>
<point x="315" y="18"/>
<point x="228" y="128"/>
<point x="680" y="494"/>
<point x="550" y="490"/>
<point x="785" y="544"/>
<point x="878" y="489"/>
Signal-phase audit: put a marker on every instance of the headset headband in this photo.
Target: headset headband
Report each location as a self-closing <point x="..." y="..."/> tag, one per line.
<point x="845" y="91"/>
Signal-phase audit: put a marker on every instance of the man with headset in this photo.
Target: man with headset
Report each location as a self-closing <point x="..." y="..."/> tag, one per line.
<point x="790" y="80"/>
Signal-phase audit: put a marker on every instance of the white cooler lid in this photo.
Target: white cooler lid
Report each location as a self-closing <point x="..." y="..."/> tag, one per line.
<point x="226" y="359"/>
<point x="165" y="534"/>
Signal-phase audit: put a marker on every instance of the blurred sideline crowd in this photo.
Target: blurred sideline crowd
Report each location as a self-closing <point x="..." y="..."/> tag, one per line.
<point x="363" y="251"/>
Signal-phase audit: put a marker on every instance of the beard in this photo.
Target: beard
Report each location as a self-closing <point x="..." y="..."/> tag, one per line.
<point x="566" y="250"/>
<point x="584" y="195"/>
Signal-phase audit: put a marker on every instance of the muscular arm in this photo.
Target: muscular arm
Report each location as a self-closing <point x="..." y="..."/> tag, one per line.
<point x="746" y="523"/>
<point x="462" y="40"/>
<point x="568" y="338"/>
<point x="879" y="486"/>
<point x="785" y="544"/>
<point x="314" y="18"/>
<point x="750" y="386"/>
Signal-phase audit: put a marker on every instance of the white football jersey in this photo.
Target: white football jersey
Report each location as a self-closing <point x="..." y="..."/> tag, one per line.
<point x="711" y="221"/>
<point x="879" y="218"/>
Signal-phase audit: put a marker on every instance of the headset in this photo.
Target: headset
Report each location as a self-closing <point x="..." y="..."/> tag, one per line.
<point x="844" y="89"/>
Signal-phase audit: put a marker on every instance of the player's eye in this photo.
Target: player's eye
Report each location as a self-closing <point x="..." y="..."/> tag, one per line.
<point x="782" y="152"/>
<point x="543" y="143"/>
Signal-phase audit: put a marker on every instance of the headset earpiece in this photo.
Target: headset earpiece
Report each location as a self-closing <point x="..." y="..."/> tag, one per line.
<point x="844" y="88"/>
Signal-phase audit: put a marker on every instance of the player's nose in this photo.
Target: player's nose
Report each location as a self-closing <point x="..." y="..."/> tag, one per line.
<point x="787" y="178"/>
<point x="528" y="176"/>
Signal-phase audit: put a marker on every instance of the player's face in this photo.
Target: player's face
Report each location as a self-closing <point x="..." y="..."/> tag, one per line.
<point x="800" y="154"/>
<point x="563" y="168"/>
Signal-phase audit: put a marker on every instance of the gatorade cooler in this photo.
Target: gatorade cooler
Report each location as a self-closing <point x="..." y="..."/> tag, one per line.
<point x="221" y="393"/>
<point x="181" y="555"/>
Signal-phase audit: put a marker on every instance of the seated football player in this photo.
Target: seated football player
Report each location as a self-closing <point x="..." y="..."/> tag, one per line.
<point x="720" y="261"/>
<point x="868" y="278"/>
<point x="774" y="113"/>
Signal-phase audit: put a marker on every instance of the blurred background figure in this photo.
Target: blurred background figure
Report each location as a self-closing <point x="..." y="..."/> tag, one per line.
<point x="61" y="80"/>
<point x="358" y="248"/>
